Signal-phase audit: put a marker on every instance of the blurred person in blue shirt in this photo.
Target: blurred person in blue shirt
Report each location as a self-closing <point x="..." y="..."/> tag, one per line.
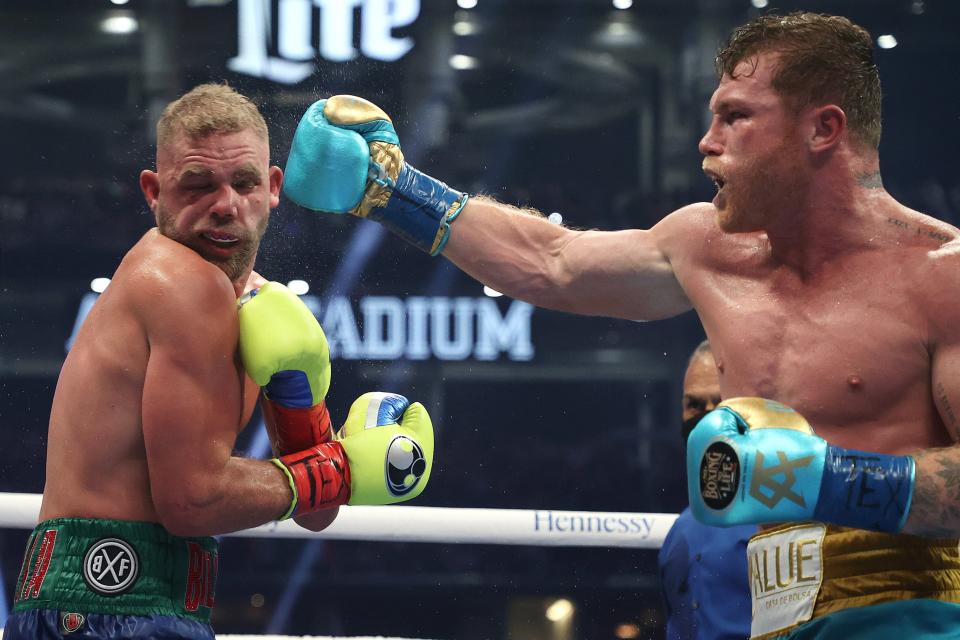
<point x="703" y="569"/>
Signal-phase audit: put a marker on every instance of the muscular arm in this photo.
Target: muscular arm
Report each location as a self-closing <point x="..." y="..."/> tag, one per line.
<point x="192" y="405"/>
<point x="623" y="274"/>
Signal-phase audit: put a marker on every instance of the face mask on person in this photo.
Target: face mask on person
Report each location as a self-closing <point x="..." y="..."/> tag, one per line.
<point x="688" y="425"/>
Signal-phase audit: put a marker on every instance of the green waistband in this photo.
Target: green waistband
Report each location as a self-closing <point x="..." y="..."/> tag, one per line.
<point x="117" y="567"/>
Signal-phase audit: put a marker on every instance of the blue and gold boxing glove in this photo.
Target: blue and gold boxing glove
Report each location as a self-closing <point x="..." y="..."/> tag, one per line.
<point x="345" y="158"/>
<point x="754" y="461"/>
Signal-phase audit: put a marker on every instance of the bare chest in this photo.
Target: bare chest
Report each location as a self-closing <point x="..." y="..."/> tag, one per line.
<point x="846" y="352"/>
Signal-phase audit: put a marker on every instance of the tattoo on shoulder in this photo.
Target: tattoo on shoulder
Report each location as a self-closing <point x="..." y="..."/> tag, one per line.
<point x="920" y="230"/>
<point x="933" y="233"/>
<point x="948" y="411"/>
<point x="870" y="180"/>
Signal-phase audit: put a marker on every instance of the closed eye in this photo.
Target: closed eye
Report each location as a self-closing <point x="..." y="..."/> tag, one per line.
<point x="733" y="116"/>
<point x="246" y="185"/>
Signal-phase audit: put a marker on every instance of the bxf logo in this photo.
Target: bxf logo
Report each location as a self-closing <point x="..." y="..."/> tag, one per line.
<point x="110" y="566"/>
<point x="763" y="477"/>
<point x="296" y="53"/>
<point x="201" y="587"/>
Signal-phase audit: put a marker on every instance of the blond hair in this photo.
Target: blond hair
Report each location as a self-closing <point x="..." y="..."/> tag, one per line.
<point x="210" y="108"/>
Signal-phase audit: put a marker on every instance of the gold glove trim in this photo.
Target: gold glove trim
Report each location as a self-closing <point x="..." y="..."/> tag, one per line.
<point x="351" y="110"/>
<point x="761" y="413"/>
<point x="443" y="232"/>
<point x="390" y="158"/>
<point x="345" y="110"/>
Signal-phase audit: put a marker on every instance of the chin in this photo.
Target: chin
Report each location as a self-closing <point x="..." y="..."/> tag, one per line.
<point x="731" y="221"/>
<point x="235" y="269"/>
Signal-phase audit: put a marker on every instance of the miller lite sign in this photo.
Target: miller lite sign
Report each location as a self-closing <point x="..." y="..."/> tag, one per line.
<point x="310" y="29"/>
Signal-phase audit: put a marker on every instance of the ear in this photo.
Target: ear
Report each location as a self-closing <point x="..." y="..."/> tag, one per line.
<point x="829" y="126"/>
<point x="276" y="181"/>
<point x="150" y="185"/>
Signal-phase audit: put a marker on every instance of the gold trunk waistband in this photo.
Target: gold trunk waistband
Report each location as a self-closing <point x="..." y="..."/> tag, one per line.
<point x="862" y="568"/>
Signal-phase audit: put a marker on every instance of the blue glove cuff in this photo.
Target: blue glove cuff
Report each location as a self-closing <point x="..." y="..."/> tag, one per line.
<point x="290" y="389"/>
<point x="866" y="490"/>
<point x="420" y="210"/>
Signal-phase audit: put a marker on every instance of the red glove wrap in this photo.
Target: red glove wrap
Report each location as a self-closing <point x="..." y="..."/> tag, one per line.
<point x="321" y="475"/>
<point x="295" y="429"/>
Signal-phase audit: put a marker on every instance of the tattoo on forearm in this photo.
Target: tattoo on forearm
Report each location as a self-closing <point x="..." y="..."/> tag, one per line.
<point x="870" y="180"/>
<point x="920" y="230"/>
<point x="935" y="510"/>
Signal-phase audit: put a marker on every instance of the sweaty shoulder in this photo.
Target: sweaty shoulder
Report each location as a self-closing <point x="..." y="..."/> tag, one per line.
<point x="938" y="281"/>
<point x="697" y="217"/>
<point x="164" y="278"/>
<point x="689" y="233"/>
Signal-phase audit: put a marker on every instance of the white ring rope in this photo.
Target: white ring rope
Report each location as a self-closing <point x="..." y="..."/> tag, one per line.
<point x="246" y="637"/>
<point x="538" y="527"/>
<point x="254" y="637"/>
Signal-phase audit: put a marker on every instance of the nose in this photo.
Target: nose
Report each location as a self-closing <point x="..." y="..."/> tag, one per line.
<point x="710" y="142"/>
<point x="712" y="404"/>
<point x="225" y="205"/>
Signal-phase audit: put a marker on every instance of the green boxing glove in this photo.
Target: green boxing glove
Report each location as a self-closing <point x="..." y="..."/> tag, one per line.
<point x="389" y="443"/>
<point x="285" y="351"/>
<point x="382" y="455"/>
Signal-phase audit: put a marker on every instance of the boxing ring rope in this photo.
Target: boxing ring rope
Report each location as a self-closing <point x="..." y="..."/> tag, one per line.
<point x="275" y="637"/>
<point x="535" y="527"/>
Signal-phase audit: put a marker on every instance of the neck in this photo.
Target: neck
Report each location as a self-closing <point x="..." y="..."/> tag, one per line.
<point x="835" y="216"/>
<point x="241" y="284"/>
<point x="238" y="287"/>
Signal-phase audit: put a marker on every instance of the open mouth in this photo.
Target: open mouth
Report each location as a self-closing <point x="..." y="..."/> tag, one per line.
<point x="718" y="181"/>
<point x="220" y="238"/>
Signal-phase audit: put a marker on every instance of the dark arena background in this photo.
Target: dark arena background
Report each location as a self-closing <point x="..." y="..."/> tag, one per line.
<point x="591" y="109"/>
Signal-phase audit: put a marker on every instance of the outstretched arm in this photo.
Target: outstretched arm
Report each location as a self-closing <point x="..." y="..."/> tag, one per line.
<point x="345" y="158"/>
<point x="623" y="274"/>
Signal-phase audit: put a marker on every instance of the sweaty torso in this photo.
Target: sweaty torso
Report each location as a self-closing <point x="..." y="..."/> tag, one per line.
<point x="96" y="458"/>
<point x="847" y="345"/>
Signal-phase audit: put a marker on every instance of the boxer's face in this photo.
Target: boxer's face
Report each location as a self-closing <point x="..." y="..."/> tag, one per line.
<point x="214" y="195"/>
<point x="753" y="149"/>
